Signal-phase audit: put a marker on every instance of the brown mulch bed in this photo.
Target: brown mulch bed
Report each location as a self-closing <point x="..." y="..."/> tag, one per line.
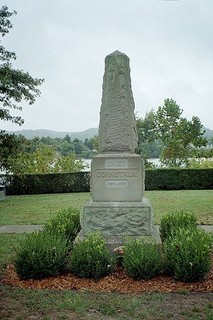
<point x="116" y="282"/>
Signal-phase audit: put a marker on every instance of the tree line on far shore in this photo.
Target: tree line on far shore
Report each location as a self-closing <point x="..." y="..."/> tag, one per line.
<point x="163" y="134"/>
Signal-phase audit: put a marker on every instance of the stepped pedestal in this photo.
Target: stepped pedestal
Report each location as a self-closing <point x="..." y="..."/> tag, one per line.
<point x="118" y="208"/>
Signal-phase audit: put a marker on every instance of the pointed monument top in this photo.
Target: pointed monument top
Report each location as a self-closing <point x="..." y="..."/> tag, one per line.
<point x="117" y="56"/>
<point x="117" y="52"/>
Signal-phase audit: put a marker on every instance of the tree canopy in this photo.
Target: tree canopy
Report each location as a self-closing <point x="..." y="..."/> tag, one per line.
<point x="44" y="155"/>
<point x="16" y="85"/>
<point x="176" y="136"/>
<point x="43" y="160"/>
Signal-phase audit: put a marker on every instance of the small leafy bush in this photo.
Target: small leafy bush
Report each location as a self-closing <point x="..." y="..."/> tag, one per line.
<point x="172" y="222"/>
<point x="90" y="257"/>
<point x="41" y="254"/>
<point x="66" y="222"/>
<point x="188" y="254"/>
<point x="142" y="260"/>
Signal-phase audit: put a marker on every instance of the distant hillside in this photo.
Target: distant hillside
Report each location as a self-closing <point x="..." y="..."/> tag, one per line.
<point x="82" y="135"/>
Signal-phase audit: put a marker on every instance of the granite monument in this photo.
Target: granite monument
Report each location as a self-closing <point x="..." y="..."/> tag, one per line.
<point x="118" y="207"/>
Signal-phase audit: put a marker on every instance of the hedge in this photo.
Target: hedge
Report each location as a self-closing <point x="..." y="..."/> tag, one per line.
<point x="47" y="183"/>
<point x="156" y="179"/>
<point x="178" y="179"/>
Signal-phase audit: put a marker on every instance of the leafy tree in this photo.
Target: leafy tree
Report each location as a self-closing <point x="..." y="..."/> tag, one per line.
<point x="89" y="143"/>
<point x="15" y="85"/>
<point x="17" y="151"/>
<point x="9" y="147"/>
<point x="67" y="138"/>
<point x="92" y="147"/>
<point x="178" y="135"/>
<point x="79" y="146"/>
<point x="148" y="145"/>
<point x="65" y="148"/>
<point x="168" y="135"/>
<point x="43" y="160"/>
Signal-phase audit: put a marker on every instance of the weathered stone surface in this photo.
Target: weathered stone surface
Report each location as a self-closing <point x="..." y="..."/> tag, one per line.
<point x="117" y="177"/>
<point x="119" y="219"/>
<point x="117" y="129"/>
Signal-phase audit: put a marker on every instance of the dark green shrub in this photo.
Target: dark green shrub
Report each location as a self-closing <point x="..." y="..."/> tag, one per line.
<point x="66" y="222"/>
<point x="90" y="257"/>
<point x="41" y="254"/>
<point x="47" y="183"/>
<point x="142" y="260"/>
<point x="188" y="254"/>
<point x="179" y="179"/>
<point x="172" y="222"/>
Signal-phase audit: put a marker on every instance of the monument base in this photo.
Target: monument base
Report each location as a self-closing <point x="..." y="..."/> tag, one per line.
<point x="118" y="221"/>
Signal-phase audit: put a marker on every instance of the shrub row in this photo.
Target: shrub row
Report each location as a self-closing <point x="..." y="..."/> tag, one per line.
<point x="179" y="179"/>
<point x="185" y="253"/>
<point x="156" y="179"/>
<point x="47" y="183"/>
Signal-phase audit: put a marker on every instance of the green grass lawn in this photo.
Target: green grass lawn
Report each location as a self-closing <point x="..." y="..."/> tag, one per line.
<point x="37" y="209"/>
<point x="9" y="244"/>
<point x="21" y="304"/>
<point x="199" y="202"/>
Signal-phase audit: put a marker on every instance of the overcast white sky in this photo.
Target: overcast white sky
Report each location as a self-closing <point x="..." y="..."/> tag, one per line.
<point x="169" y="44"/>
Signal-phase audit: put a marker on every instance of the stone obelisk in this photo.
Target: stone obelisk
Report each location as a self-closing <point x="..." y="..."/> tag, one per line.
<point x="118" y="208"/>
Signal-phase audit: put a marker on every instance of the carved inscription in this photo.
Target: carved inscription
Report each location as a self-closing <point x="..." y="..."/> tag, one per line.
<point x="134" y="173"/>
<point x="116" y="163"/>
<point x="116" y="184"/>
